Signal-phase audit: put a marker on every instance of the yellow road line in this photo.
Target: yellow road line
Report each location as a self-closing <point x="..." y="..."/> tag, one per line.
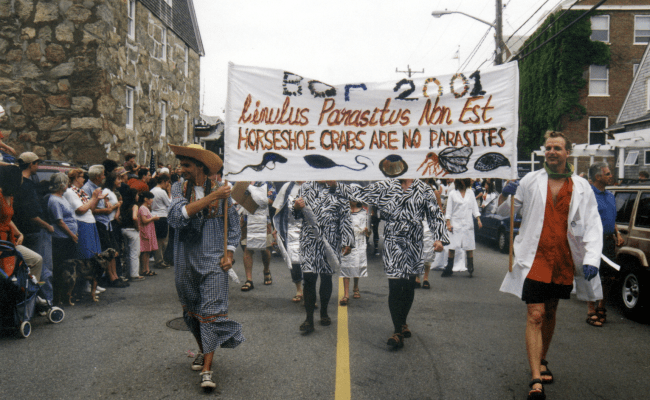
<point x="343" y="387"/>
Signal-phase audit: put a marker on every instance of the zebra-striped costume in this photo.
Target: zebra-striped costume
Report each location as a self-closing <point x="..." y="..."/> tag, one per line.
<point x="334" y="222"/>
<point x="404" y="212"/>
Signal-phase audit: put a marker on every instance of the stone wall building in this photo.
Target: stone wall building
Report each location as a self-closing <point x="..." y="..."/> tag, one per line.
<point x="86" y="80"/>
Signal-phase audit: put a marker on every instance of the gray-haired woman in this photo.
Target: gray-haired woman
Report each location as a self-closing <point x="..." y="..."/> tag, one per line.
<point x="64" y="238"/>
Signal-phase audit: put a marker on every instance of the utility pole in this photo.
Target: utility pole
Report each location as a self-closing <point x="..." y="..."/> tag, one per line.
<point x="409" y="72"/>
<point x="498" y="58"/>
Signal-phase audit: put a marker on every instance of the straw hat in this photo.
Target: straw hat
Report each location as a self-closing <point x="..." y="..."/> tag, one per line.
<point x="195" y="151"/>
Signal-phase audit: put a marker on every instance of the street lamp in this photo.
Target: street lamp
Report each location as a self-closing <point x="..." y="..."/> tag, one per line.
<point x="497" y="27"/>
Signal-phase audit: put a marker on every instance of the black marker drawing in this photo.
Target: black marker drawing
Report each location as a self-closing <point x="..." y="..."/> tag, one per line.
<point x="266" y="159"/>
<point x="452" y="160"/>
<point x="321" y="162"/>
<point x="491" y="161"/>
<point x="393" y="166"/>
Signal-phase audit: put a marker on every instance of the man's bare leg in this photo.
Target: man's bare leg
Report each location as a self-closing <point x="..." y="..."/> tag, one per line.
<point x="266" y="262"/>
<point x="207" y="361"/>
<point x="534" y="342"/>
<point x="548" y="325"/>
<point x="248" y="264"/>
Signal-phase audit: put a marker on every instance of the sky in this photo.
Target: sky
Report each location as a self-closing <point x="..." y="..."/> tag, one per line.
<point x="350" y="41"/>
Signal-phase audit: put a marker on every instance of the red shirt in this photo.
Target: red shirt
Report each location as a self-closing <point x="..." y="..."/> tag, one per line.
<point x="553" y="261"/>
<point x="138" y="185"/>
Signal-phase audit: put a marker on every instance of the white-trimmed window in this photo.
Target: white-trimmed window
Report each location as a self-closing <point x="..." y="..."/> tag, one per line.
<point x="129" y="107"/>
<point x="641" y="29"/>
<point x="598" y="80"/>
<point x="164" y="44"/>
<point x="131" y="17"/>
<point x="187" y="60"/>
<point x="163" y="118"/>
<point x="186" y="127"/>
<point x="600" y="28"/>
<point x="632" y="157"/>
<point x="596" y="133"/>
<point x="647" y="157"/>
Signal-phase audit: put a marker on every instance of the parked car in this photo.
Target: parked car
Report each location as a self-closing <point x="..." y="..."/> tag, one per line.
<point x="47" y="168"/>
<point x="633" y="222"/>
<point x="496" y="228"/>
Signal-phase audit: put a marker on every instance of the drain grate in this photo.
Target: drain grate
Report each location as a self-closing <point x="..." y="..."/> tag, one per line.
<point x="178" y="324"/>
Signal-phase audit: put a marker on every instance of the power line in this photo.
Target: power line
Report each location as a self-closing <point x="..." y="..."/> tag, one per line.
<point x="521" y="26"/>
<point x="517" y="57"/>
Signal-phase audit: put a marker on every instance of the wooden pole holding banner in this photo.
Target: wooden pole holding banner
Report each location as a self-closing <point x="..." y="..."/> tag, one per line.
<point x="225" y="225"/>
<point x="512" y="230"/>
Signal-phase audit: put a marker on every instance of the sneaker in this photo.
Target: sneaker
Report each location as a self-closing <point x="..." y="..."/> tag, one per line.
<point x="40" y="301"/>
<point x="206" y="380"/>
<point x="197" y="364"/>
<point x="100" y="289"/>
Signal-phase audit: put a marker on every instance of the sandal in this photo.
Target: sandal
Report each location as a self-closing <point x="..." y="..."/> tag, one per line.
<point x="344" y="301"/>
<point x="396" y="341"/>
<point x="297" y="298"/>
<point x="536" y="394"/>
<point x="356" y="294"/>
<point x="306" y="327"/>
<point x="593" y="320"/>
<point x="267" y="278"/>
<point x="325" y="321"/>
<point x="426" y="285"/>
<point x="406" y="332"/>
<point x="150" y="273"/>
<point x="602" y="314"/>
<point x="248" y="285"/>
<point x="546" y="374"/>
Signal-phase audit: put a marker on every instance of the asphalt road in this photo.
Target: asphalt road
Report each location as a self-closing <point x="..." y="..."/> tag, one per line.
<point x="468" y="343"/>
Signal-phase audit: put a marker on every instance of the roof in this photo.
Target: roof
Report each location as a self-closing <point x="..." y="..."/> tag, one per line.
<point x="180" y="18"/>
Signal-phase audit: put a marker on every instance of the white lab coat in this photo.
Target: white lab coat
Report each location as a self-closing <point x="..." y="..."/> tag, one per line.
<point x="585" y="233"/>
<point x="256" y="228"/>
<point x="460" y="211"/>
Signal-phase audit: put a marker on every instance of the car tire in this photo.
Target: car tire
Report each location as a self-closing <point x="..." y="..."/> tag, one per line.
<point x="633" y="291"/>
<point x="503" y="242"/>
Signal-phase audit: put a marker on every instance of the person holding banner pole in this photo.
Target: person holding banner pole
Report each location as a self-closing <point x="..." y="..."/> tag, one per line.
<point x="404" y="203"/>
<point x="198" y="213"/>
<point x="334" y="225"/>
<point x="560" y="239"/>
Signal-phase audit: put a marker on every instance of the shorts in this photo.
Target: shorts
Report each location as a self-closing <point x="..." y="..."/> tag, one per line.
<point x="106" y="238"/>
<point x="609" y="251"/>
<point x="535" y="292"/>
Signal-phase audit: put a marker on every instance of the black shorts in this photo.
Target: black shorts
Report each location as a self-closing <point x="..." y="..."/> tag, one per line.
<point x="535" y="292"/>
<point x="105" y="237"/>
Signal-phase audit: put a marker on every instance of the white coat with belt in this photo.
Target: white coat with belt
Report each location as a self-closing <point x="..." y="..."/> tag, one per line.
<point x="585" y="233"/>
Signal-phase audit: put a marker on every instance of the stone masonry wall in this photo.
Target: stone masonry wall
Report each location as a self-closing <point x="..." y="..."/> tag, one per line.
<point x="64" y="69"/>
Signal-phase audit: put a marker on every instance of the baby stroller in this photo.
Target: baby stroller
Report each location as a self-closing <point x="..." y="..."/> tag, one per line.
<point x="18" y="293"/>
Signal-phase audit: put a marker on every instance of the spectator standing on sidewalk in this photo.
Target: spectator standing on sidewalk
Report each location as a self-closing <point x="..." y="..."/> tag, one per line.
<point x="161" y="202"/>
<point x="31" y="219"/>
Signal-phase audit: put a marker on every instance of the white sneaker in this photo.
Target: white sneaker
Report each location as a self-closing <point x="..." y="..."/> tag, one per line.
<point x="40" y="301"/>
<point x="206" y="380"/>
<point x="197" y="365"/>
<point x="100" y="289"/>
<point x="87" y="287"/>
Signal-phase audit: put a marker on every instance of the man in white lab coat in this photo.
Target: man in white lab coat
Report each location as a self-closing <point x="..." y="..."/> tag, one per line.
<point x="561" y="233"/>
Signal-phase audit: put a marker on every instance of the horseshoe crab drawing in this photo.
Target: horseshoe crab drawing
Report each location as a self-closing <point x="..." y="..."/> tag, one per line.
<point x="266" y="159"/>
<point x="393" y="166"/>
<point x="491" y="161"/>
<point x="321" y="162"/>
<point x="452" y="160"/>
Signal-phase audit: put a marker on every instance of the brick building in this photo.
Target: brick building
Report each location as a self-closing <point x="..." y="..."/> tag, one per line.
<point x="625" y="26"/>
<point x="83" y="81"/>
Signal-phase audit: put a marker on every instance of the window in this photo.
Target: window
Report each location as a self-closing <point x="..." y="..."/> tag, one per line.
<point x="186" y="128"/>
<point x="632" y="157"/>
<point x="598" y="80"/>
<point x="624" y="206"/>
<point x="129" y="107"/>
<point x="647" y="94"/>
<point x="596" y="126"/>
<point x="641" y="29"/>
<point x="187" y="61"/>
<point x="131" y="17"/>
<point x="164" y="45"/>
<point x="163" y="118"/>
<point x="647" y="157"/>
<point x="643" y="211"/>
<point x="600" y="28"/>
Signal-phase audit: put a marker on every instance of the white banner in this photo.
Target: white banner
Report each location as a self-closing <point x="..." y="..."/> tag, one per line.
<point x="282" y="127"/>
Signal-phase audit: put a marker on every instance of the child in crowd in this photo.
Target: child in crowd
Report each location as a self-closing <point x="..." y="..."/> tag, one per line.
<point x="148" y="240"/>
<point x="355" y="264"/>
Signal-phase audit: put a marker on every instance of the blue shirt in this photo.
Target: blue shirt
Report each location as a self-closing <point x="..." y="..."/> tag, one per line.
<point x="89" y="188"/>
<point x="607" y="210"/>
<point x="59" y="208"/>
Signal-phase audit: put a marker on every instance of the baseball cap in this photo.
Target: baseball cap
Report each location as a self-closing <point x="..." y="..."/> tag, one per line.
<point x="28" y="157"/>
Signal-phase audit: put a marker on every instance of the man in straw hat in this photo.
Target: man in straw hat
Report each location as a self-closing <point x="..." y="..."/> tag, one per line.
<point x="201" y="262"/>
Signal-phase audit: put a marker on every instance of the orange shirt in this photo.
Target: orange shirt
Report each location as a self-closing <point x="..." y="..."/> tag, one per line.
<point x="553" y="261"/>
<point x="6" y="233"/>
